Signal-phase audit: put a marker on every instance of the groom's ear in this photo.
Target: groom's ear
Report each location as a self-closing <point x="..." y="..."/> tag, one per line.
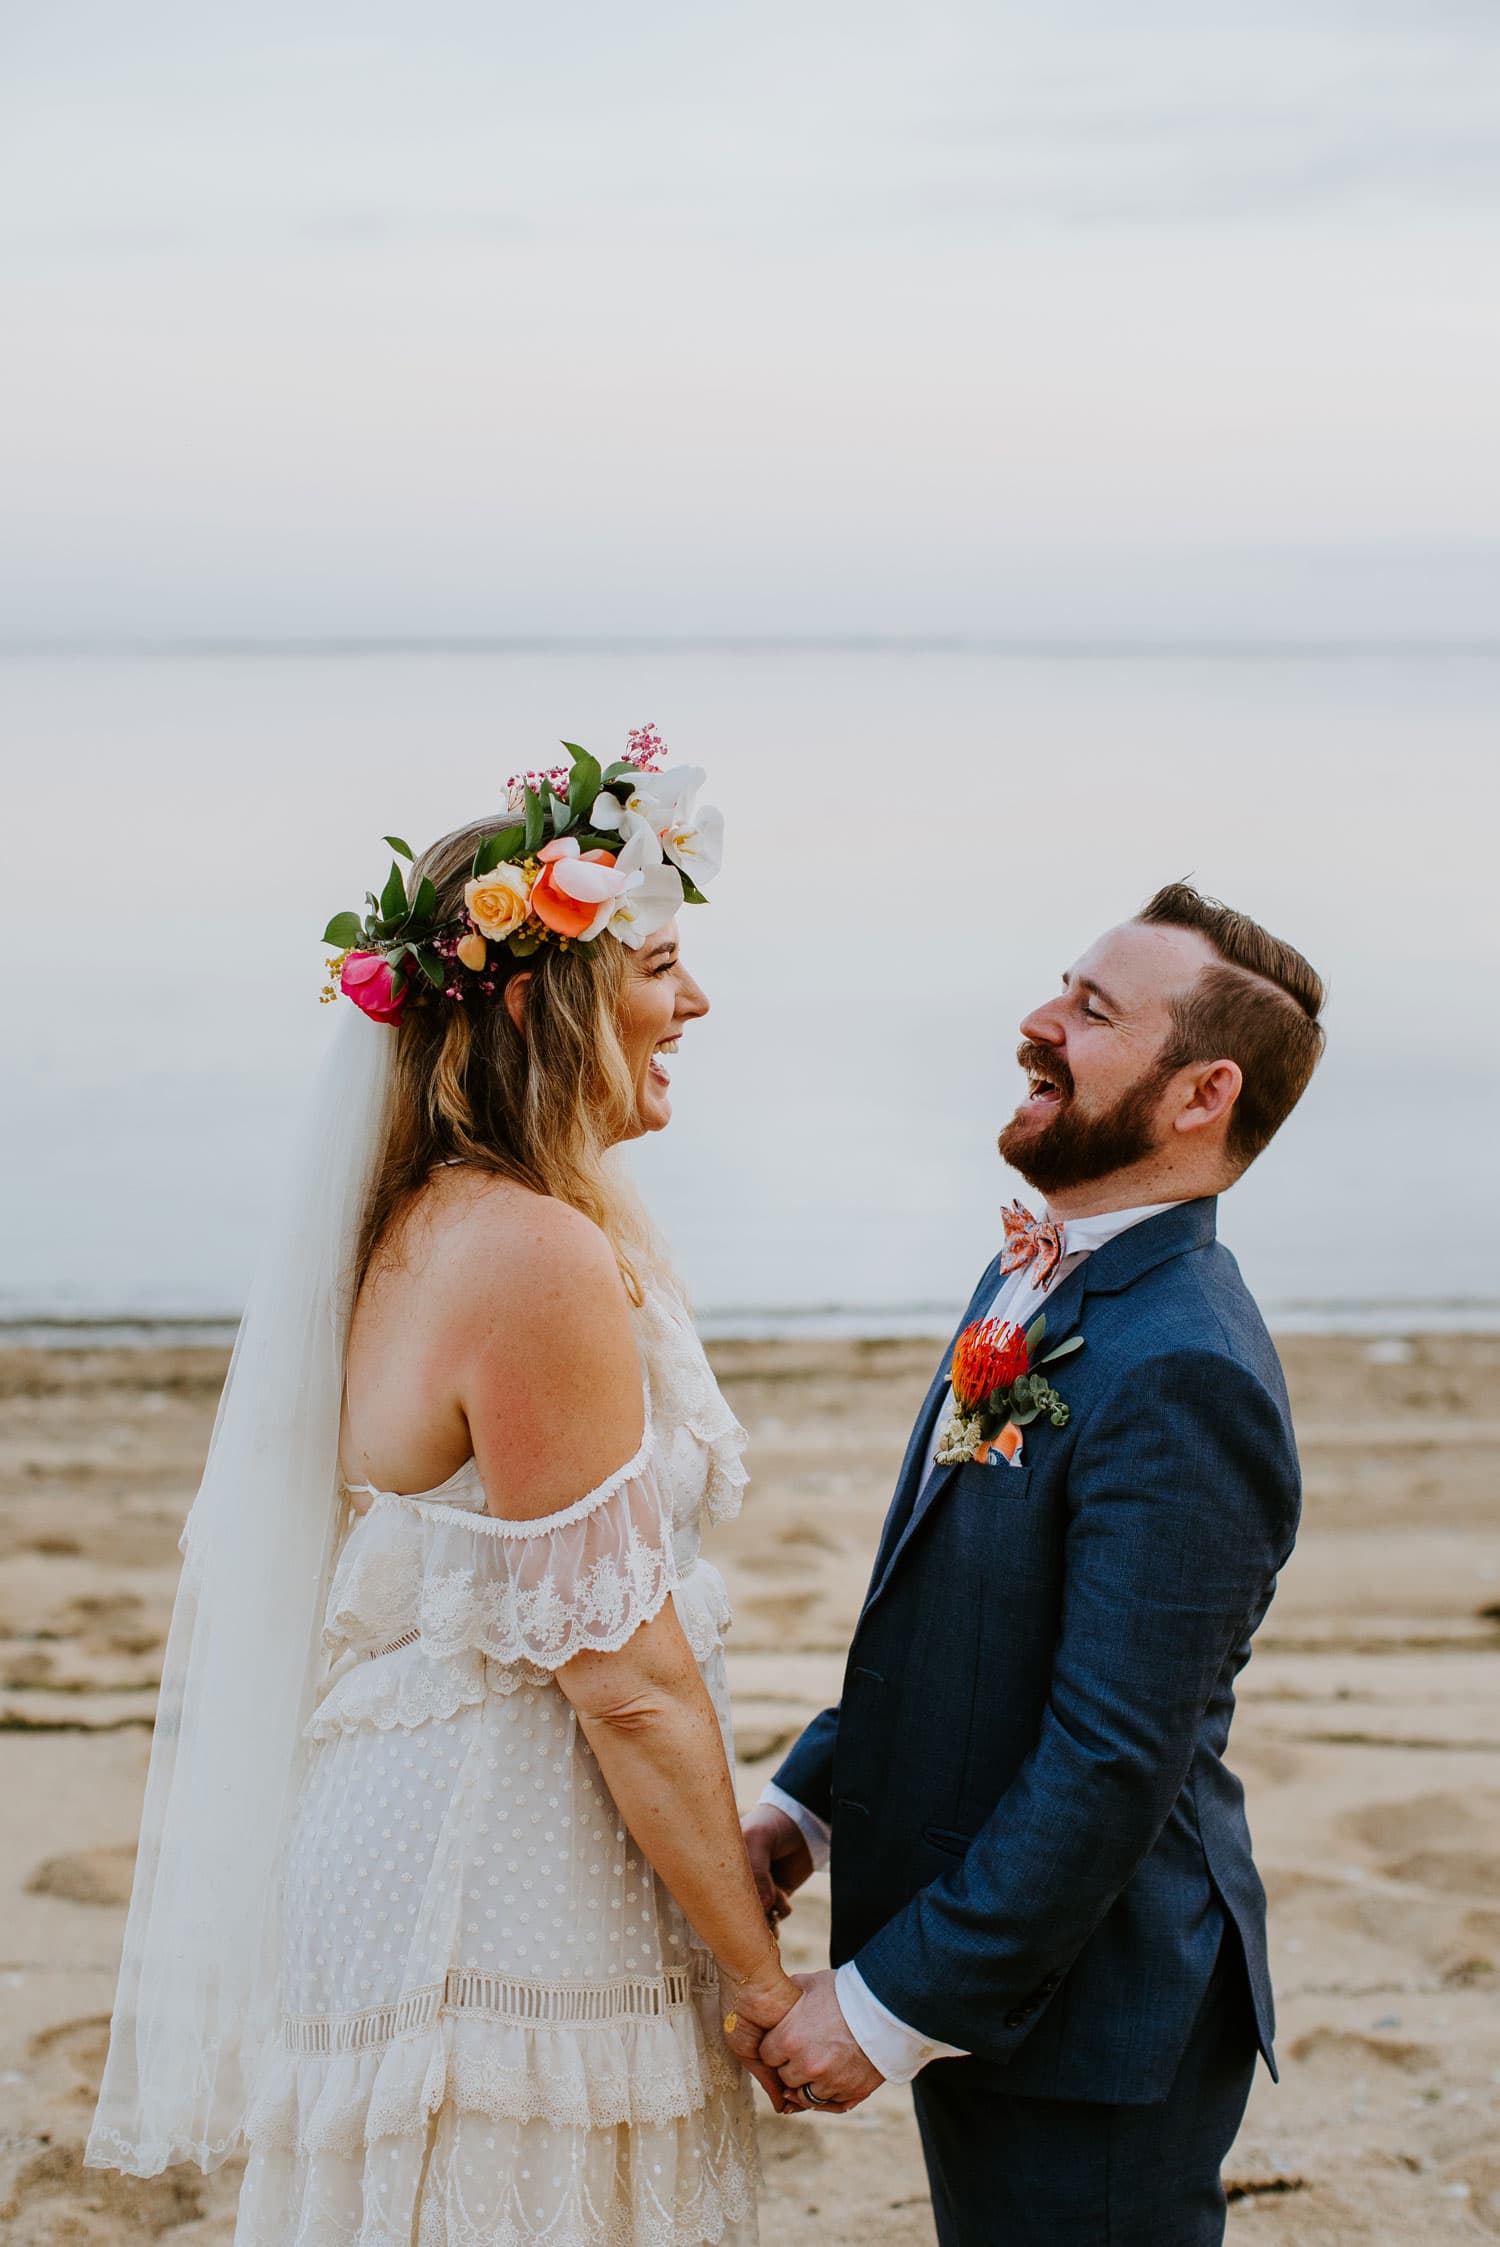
<point x="516" y="993"/>
<point x="1212" y="1089"/>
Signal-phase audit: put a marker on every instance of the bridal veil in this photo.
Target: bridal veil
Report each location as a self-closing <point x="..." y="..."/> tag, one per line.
<point x="197" y="1991"/>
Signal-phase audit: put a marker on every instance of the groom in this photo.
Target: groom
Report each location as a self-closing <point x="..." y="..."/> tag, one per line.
<point x="1045" y="1911"/>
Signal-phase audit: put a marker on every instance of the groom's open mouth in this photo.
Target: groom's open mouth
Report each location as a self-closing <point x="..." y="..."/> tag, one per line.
<point x="1048" y="1083"/>
<point x="660" y="1073"/>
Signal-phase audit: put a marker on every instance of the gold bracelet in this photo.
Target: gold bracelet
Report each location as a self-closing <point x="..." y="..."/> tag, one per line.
<point x="737" y="1981"/>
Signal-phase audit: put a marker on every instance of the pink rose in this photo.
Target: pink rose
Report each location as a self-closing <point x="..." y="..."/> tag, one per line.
<point x="366" y="978"/>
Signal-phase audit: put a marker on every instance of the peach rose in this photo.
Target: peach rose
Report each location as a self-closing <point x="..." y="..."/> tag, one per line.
<point x="569" y="891"/>
<point x="498" y="902"/>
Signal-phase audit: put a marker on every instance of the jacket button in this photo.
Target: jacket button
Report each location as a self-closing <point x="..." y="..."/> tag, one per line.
<point x="1016" y="2018"/>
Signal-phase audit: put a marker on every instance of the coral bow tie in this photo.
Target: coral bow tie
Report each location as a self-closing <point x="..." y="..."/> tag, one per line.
<point x="1030" y="1240"/>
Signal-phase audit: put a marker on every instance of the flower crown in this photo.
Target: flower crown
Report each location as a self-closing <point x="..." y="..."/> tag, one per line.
<point x="584" y="853"/>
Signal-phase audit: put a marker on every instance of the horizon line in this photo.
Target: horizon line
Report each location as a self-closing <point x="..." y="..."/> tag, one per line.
<point x="1104" y="647"/>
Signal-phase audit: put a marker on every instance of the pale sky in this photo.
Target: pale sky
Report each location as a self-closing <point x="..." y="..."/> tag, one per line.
<point x="893" y="318"/>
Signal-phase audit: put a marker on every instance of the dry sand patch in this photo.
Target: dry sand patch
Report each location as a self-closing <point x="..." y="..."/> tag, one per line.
<point x="1367" y="1738"/>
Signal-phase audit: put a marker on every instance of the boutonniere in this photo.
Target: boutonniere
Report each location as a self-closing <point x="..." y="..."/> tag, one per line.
<point x="997" y="1383"/>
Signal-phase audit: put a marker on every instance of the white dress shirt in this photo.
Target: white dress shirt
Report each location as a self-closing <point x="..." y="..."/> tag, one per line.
<point x="892" y="2045"/>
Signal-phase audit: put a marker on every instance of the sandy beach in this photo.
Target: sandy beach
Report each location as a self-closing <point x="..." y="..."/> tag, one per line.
<point x="1367" y="1737"/>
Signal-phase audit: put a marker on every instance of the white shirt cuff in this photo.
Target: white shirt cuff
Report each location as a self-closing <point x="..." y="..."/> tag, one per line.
<point x="815" y="1833"/>
<point x="886" y="2042"/>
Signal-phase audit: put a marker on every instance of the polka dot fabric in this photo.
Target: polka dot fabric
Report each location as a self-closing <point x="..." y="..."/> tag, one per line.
<point x="498" y="2029"/>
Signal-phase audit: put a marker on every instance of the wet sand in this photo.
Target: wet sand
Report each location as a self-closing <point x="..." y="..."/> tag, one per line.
<point x="1368" y="1737"/>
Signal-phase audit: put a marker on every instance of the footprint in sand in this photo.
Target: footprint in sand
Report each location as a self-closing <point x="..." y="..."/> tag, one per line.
<point x="1453" y="1872"/>
<point x="80" y="2047"/>
<point x="96" y="2208"/>
<point x="88" y="1876"/>
<point x="1343" y="2049"/>
<point x="1392" y="1828"/>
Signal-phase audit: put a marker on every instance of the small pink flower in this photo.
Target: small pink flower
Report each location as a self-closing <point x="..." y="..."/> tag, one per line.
<point x="366" y="978"/>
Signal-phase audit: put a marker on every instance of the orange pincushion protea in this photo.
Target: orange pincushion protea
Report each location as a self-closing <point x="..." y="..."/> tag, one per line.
<point x="995" y="1392"/>
<point x="988" y="1356"/>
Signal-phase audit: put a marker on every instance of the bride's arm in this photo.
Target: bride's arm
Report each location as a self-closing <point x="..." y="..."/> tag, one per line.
<point x="550" y="1385"/>
<point x="647" y="1716"/>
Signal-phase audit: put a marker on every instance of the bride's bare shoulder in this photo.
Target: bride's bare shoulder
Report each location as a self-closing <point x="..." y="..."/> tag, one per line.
<point x="539" y="1344"/>
<point x="520" y="1262"/>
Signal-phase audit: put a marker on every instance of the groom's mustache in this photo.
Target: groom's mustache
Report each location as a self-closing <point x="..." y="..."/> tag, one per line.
<point x="1045" y="1063"/>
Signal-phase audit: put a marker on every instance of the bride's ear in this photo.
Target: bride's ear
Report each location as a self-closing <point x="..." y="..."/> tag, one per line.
<point x="515" y="994"/>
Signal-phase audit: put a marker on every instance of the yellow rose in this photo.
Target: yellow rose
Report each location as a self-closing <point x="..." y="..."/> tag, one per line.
<point x="498" y="902"/>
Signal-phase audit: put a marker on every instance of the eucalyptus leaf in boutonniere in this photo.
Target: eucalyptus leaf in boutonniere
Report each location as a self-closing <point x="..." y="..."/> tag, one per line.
<point x="998" y="1383"/>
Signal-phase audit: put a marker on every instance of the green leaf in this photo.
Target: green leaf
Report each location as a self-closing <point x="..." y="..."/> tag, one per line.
<point x="524" y="943"/>
<point x="584" y="783"/>
<point x="393" y="906"/>
<point x="1034" y="1333"/>
<point x="398" y="978"/>
<point x="396" y="844"/>
<point x="1024" y="1419"/>
<point x="498" y="850"/>
<point x="613" y="772"/>
<point x="1064" y="1349"/>
<point x="423" y="905"/>
<point x="344" y="931"/>
<point x="691" y="894"/>
<point x="536" y="825"/>
<point x="432" y="964"/>
<point x="564" y="814"/>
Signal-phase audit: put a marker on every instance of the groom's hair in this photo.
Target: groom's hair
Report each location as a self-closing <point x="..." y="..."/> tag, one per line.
<point x="1258" y="1004"/>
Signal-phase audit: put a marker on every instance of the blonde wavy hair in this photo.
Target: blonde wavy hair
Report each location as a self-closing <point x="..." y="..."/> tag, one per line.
<point x="541" y="1109"/>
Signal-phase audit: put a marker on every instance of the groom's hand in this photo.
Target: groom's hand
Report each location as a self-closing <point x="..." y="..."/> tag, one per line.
<point x="813" y="2045"/>
<point x="779" y="1857"/>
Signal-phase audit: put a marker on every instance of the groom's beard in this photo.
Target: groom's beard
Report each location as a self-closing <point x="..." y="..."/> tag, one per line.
<point x="1073" y="1149"/>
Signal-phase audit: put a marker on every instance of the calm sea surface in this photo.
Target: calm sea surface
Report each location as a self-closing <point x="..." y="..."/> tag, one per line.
<point x="919" y="840"/>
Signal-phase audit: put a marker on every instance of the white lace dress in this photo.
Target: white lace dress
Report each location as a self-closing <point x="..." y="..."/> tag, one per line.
<point x="499" y="2029"/>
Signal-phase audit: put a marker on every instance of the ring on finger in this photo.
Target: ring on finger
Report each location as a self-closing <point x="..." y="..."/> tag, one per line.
<point x="813" y="2099"/>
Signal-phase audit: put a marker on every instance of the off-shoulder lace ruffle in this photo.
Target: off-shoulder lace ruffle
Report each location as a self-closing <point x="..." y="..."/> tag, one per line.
<point x="534" y="1592"/>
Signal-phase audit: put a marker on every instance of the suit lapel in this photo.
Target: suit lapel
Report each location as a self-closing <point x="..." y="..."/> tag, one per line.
<point x="1109" y="1270"/>
<point x="919" y="1448"/>
<point x="1062" y="1313"/>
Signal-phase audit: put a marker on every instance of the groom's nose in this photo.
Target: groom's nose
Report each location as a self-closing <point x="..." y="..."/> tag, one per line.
<point x="1044" y="1026"/>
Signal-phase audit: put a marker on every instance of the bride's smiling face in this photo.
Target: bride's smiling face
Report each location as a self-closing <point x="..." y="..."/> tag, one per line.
<point x="657" y="998"/>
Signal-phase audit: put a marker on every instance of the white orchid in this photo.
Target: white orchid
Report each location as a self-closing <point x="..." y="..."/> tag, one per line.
<point x="645" y="892"/>
<point x="663" y="801"/>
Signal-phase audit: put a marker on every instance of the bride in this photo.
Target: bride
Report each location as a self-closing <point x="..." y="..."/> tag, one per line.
<point x="441" y="1904"/>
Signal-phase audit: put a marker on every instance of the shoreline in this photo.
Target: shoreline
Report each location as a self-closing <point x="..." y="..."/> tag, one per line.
<point x="1393" y="1320"/>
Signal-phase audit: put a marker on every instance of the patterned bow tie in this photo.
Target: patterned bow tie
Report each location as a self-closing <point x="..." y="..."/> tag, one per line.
<point x="1030" y="1240"/>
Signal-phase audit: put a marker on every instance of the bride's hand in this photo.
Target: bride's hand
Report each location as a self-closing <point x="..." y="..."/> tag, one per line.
<point x="755" y="2007"/>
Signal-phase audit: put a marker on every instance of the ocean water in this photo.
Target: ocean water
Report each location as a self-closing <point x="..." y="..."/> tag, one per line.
<point x="919" y="838"/>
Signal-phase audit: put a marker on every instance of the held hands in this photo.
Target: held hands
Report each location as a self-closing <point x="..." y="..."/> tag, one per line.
<point x="806" y="2042"/>
<point x="811" y="2045"/>
<point x="751" y="2008"/>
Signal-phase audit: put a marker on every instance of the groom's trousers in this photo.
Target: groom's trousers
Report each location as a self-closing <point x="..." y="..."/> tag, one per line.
<point x="1018" y="2172"/>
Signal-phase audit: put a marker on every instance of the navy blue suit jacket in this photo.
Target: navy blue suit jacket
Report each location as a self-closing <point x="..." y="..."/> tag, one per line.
<point x="1037" y="1844"/>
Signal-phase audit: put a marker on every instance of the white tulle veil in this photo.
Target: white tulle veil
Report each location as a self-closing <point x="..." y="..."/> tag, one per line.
<point x="196" y="1999"/>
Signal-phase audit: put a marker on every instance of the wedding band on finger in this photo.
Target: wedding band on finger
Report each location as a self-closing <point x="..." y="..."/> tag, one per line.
<point x="812" y="2097"/>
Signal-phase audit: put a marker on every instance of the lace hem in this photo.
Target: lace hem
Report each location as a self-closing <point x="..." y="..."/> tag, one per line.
<point x="468" y="2181"/>
<point x="147" y="2157"/>
<point x="645" y="2050"/>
